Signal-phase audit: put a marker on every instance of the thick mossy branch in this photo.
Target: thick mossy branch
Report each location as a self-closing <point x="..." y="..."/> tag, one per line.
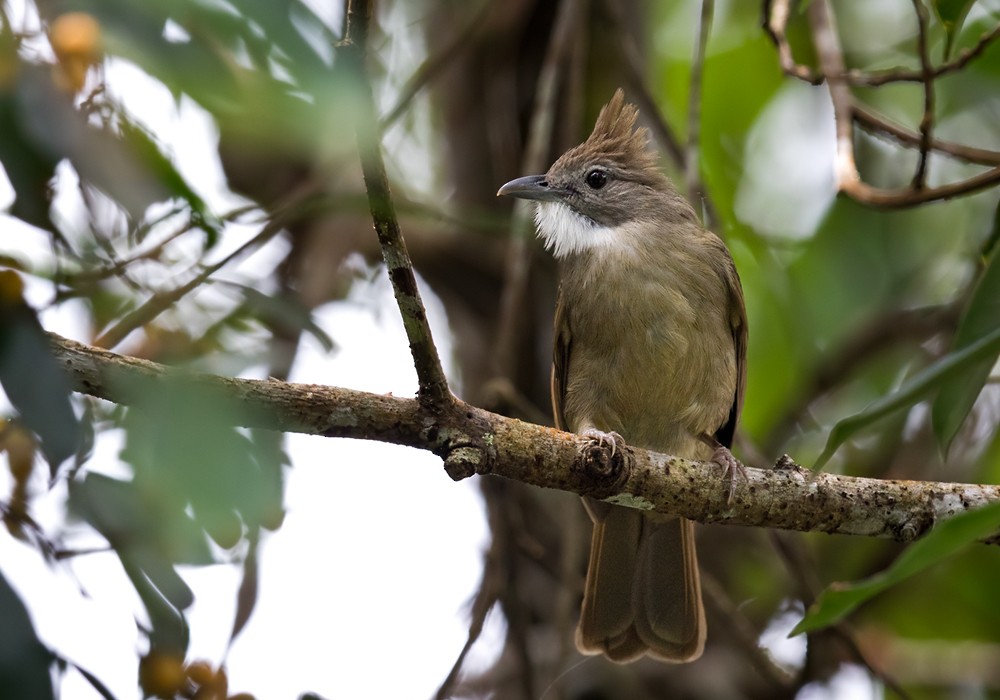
<point x="474" y="441"/>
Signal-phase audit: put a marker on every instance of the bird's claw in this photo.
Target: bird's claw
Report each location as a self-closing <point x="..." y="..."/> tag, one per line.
<point x="730" y="468"/>
<point x="602" y="438"/>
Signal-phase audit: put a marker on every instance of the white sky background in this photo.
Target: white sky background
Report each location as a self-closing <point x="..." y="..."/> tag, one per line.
<point x="360" y="596"/>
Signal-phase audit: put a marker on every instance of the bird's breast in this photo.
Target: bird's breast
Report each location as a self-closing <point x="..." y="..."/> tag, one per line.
<point x="652" y="356"/>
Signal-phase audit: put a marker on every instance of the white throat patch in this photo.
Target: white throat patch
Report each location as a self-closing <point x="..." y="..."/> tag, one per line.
<point x="565" y="232"/>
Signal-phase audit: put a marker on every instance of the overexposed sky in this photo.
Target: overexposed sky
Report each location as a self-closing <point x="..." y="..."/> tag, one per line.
<point x="354" y="583"/>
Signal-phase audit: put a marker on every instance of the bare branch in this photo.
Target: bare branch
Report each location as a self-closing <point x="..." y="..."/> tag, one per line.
<point x="785" y="497"/>
<point x="896" y="75"/>
<point x="848" y="180"/>
<point x="803" y="571"/>
<point x="639" y="92"/>
<point x="776" y="24"/>
<point x="430" y="375"/>
<point x="831" y="60"/>
<point x="518" y="263"/>
<point x="637" y="86"/>
<point x="907" y="196"/>
<point x="691" y="160"/>
<point x="430" y="68"/>
<point x="874" y="123"/>
<point x="745" y="634"/>
<point x="161" y="301"/>
<point x="880" y="333"/>
<point x="927" y="121"/>
<point x="490" y="585"/>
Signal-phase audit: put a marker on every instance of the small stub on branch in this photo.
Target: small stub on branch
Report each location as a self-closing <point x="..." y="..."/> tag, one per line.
<point x="463" y="462"/>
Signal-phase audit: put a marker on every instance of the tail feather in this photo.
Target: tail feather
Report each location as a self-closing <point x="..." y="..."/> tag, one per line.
<point x="669" y="615"/>
<point x="643" y="592"/>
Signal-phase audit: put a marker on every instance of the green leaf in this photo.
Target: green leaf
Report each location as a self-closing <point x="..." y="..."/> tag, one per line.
<point x="162" y="575"/>
<point x="100" y="157"/>
<point x="944" y="540"/>
<point x="915" y="389"/>
<point x="170" y="631"/>
<point x="246" y="598"/>
<point x="149" y="539"/>
<point x="33" y="381"/>
<point x="981" y="317"/>
<point x="109" y="505"/>
<point x="24" y="662"/>
<point x="28" y="167"/>
<point x="952" y="15"/>
<point x="147" y="151"/>
<point x="186" y="452"/>
<point x="285" y="311"/>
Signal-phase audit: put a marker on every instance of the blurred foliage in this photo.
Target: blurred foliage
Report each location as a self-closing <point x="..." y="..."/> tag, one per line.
<point x="35" y="386"/>
<point x="872" y="332"/>
<point x="980" y="318"/>
<point x="839" y="600"/>
<point x="24" y="662"/>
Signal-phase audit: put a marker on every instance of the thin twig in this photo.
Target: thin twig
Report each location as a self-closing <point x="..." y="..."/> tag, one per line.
<point x="118" y="266"/>
<point x="490" y="584"/>
<point x="638" y="89"/>
<point x="745" y="636"/>
<point x="540" y="130"/>
<point x="792" y="553"/>
<point x="640" y="94"/>
<point x="848" y="636"/>
<point x="846" y="173"/>
<point x="776" y="25"/>
<point x="691" y="160"/>
<point x="161" y="301"/>
<point x="897" y="75"/>
<point x="908" y="197"/>
<point x="434" y="63"/>
<point x="874" y="123"/>
<point x="927" y="121"/>
<point x="433" y="386"/>
<point x="879" y="334"/>
<point x="777" y="13"/>
<point x="831" y="60"/>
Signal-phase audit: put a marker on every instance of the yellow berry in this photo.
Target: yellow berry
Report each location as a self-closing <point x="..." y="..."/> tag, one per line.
<point x="161" y="675"/>
<point x="76" y="41"/>
<point x="76" y="34"/>
<point x="200" y="673"/>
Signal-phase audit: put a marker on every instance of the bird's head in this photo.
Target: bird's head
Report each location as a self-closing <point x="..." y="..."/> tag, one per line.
<point x="609" y="181"/>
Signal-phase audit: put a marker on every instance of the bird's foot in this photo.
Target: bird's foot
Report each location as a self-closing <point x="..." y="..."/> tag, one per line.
<point x="603" y="454"/>
<point x="602" y="438"/>
<point x="731" y="467"/>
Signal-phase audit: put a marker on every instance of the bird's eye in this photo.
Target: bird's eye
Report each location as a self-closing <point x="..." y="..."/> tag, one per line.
<point x="596" y="179"/>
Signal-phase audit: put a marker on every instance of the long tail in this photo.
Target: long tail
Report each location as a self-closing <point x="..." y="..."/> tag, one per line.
<point x="643" y="592"/>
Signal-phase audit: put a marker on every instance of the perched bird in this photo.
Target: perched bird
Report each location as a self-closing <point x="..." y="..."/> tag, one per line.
<point x="650" y="349"/>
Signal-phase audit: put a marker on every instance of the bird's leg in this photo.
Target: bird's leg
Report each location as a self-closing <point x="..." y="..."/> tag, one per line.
<point x="731" y="467"/>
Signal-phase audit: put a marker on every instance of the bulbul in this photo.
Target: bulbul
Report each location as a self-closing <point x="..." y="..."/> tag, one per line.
<point x="650" y="349"/>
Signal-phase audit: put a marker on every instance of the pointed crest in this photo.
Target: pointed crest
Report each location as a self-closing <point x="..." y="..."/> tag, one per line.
<point x="616" y="139"/>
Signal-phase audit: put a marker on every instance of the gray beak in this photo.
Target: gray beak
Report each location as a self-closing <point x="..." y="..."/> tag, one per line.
<point x="531" y="187"/>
